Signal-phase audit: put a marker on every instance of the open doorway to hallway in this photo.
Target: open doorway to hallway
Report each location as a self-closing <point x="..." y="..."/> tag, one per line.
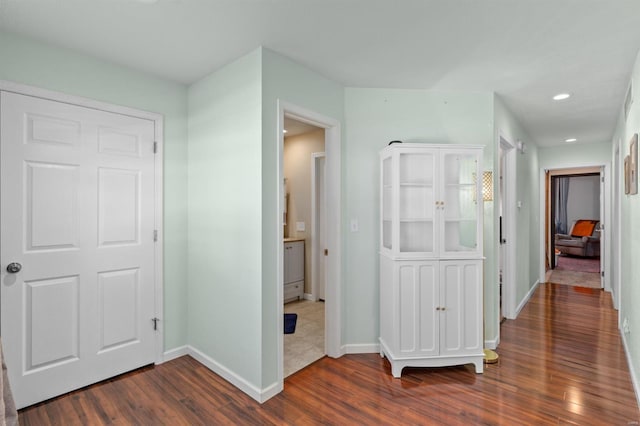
<point x="574" y="223"/>
<point x="304" y="242"/>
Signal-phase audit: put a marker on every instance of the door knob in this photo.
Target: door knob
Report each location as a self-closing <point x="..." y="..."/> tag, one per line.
<point x="14" y="267"/>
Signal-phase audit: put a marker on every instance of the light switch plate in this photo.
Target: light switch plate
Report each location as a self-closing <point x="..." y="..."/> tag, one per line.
<point x="300" y="226"/>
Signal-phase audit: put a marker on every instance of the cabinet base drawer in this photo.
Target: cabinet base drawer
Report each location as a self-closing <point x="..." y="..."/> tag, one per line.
<point x="293" y="291"/>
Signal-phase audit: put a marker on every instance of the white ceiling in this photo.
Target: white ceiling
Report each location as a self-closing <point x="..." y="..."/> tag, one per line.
<point x="524" y="50"/>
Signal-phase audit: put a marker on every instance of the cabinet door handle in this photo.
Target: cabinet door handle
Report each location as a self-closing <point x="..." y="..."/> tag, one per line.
<point x="437" y="308"/>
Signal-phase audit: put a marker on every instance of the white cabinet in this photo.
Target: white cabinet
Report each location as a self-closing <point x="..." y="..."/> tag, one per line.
<point x="293" y="270"/>
<point x="431" y="256"/>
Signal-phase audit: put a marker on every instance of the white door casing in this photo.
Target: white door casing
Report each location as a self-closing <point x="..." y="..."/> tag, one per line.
<point x="508" y="246"/>
<point x="318" y="225"/>
<point x="78" y="213"/>
<point x="603" y="228"/>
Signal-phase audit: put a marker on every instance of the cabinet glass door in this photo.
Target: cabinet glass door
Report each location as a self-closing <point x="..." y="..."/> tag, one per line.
<point x="461" y="204"/>
<point x="387" y="203"/>
<point x="416" y="202"/>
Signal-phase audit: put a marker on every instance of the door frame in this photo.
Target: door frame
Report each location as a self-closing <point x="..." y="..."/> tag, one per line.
<point x="508" y="251"/>
<point x="616" y="228"/>
<point x="605" y="249"/>
<point x="22" y="89"/>
<point x="316" y="211"/>
<point x="333" y="291"/>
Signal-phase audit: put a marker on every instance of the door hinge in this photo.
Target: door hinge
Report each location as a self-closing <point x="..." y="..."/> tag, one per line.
<point x="155" y="235"/>
<point x="326" y="252"/>
<point x="155" y="323"/>
<point x="602" y="273"/>
<point x="602" y="179"/>
<point x="155" y="147"/>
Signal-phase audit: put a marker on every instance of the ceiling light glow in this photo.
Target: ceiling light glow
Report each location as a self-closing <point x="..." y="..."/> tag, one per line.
<point x="570" y="140"/>
<point x="561" y="96"/>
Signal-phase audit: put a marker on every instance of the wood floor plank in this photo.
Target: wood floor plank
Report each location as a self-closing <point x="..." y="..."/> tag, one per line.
<point x="561" y="362"/>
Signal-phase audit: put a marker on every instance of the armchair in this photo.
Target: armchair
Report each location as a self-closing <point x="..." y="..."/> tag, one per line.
<point x="583" y="240"/>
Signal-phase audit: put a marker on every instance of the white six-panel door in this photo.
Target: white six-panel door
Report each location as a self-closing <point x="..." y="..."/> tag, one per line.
<point x="77" y="214"/>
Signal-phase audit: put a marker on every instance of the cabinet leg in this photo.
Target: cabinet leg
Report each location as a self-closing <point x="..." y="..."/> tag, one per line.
<point x="396" y="371"/>
<point x="479" y="366"/>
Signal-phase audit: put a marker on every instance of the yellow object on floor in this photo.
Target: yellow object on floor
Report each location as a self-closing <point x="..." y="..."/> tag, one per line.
<point x="490" y="356"/>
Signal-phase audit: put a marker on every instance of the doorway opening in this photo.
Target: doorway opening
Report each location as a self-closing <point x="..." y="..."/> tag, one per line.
<point x="574" y="216"/>
<point x="304" y="242"/>
<point x="332" y="224"/>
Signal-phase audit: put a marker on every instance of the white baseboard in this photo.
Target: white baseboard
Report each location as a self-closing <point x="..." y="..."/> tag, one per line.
<point x="362" y="348"/>
<point x="271" y="391"/>
<point x="175" y="353"/>
<point x="308" y="296"/>
<point x="634" y="377"/>
<point x="527" y="297"/>
<point x="224" y="372"/>
<point x="492" y="343"/>
<point x="231" y="377"/>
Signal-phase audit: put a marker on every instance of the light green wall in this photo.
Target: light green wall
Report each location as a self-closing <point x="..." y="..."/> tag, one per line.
<point x="528" y="193"/>
<point x="630" y="237"/>
<point x="291" y="82"/>
<point x="575" y="155"/>
<point x="40" y="65"/>
<point x="225" y="217"/>
<point x="373" y="118"/>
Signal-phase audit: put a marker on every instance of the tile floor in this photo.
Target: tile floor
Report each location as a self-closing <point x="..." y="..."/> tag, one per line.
<point x="306" y="345"/>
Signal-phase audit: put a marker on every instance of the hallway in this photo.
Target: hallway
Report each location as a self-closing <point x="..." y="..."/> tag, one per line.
<point x="561" y="362"/>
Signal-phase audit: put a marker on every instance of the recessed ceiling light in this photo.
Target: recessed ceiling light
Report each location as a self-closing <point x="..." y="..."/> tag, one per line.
<point x="284" y="130"/>
<point x="570" y="140"/>
<point x="561" y="96"/>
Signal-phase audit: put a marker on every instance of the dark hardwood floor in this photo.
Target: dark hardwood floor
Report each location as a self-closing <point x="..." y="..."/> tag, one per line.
<point x="561" y="362"/>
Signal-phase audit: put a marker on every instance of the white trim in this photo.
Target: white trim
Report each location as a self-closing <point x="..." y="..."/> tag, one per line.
<point x="159" y="226"/>
<point x="526" y="298"/>
<point x="492" y="343"/>
<point x="309" y="296"/>
<point x="174" y="353"/>
<point x="634" y="377"/>
<point x="616" y="255"/>
<point x="230" y="376"/>
<point x="260" y="395"/>
<point x="22" y="89"/>
<point x="362" y="348"/>
<point x="158" y="120"/>
<point x="333" y="296"/>
<point x="542" y="215"/>
<point x="509" y="289"/>
<point x="315" y="243"/>
<point x="606" y="197"/>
